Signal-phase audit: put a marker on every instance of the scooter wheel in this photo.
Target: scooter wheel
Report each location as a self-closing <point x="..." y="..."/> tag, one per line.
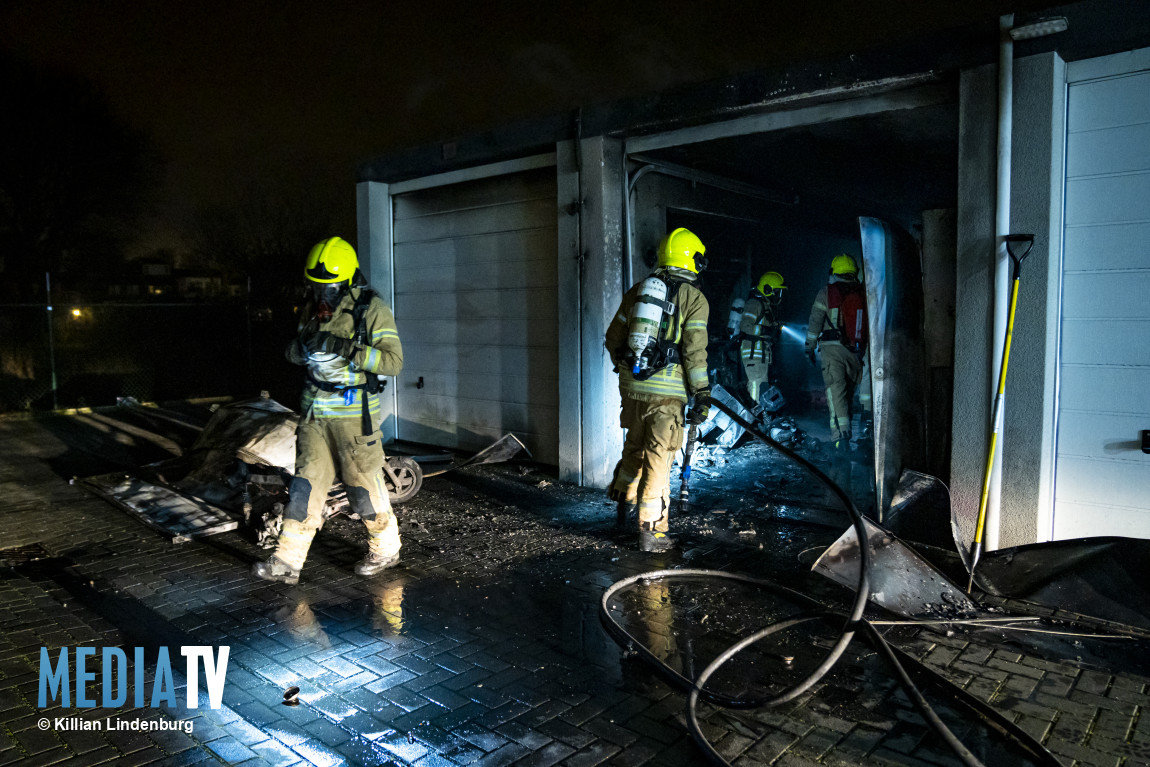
<point x="408" y="475"/>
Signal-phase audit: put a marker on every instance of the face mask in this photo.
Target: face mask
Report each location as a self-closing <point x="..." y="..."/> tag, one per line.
<point x="326" y="297"/>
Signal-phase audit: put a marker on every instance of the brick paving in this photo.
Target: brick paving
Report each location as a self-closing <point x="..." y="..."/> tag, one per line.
<point x="484" y="646"/>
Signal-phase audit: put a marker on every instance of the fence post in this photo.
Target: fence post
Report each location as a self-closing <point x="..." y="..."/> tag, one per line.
<point x="51" y="339"/>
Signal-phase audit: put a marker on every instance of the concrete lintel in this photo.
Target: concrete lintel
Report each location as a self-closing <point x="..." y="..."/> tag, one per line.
<point x="544" y="160"/>
<point x="852" y="104"/>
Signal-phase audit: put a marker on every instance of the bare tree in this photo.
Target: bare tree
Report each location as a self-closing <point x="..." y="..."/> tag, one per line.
<point x="265" y="235"/>
<point x="73" y="176"/>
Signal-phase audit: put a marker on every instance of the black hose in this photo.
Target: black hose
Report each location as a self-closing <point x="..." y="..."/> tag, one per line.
<point x="818" y="612"/>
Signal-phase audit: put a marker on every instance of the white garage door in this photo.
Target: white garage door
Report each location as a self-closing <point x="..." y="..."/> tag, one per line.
<point x="475" y="301"/>
<point x="1102" y="480"/>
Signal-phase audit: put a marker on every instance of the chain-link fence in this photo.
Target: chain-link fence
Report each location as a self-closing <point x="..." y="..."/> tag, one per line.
<point x="76" y="355"/>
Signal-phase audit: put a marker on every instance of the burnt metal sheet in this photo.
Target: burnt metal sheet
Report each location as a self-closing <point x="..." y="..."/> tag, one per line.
<point x="920" y="509"/>
<point x="719" y="428"/>
<point x="503" y="449"/>
<point x="177" y="516"/>
<point x="901" y="580"/>
<point x="893" y="277"/>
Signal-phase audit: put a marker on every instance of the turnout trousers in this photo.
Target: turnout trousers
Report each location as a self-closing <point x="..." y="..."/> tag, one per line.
<point x="643" y="474"/>
<point x="325" y="447"/>
<point x="842" y="371"/>
<point x="757" y="365"/>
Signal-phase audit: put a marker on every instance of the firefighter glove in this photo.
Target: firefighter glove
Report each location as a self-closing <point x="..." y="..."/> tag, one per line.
<point x="702" y="407"/>
<point x="811" y="357"/>
<point x="326" y="342"/>
<point x="308" y="340"/>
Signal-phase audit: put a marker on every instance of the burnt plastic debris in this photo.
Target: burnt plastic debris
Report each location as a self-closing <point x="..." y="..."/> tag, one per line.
<point x="291" y="696"/>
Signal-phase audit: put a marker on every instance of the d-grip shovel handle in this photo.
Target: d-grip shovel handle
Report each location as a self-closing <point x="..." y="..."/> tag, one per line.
<point x="1012" y="240"/>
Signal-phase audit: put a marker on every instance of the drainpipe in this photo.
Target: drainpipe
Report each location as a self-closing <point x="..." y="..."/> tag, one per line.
<point x="1002" y="278"/>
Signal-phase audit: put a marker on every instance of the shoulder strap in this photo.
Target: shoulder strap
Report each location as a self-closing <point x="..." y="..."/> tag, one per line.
<point x="358" y="313"/>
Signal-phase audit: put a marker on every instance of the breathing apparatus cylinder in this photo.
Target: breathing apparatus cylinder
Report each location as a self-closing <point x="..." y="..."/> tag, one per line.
<point x="736" y="316"/>
<point x="646" y="315"/>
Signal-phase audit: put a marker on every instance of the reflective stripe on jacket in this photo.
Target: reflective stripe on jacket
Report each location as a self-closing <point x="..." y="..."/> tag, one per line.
<point x="382" y="355"/>
<point x="690" y="335"/>
<point x="757" y="326"/>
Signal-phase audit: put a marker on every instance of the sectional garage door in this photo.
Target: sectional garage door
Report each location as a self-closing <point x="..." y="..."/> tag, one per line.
<point x="475" y="274"/>
<point x="1102" y="480"/>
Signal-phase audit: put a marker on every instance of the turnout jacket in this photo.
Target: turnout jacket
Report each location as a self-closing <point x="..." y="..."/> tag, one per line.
<point x="380" y="354"/>
<point x="758" y="327"/>
<point x="687" y="330"/>
<point x="824" y="318"/>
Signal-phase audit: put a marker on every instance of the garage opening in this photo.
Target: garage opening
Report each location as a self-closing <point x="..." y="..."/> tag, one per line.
<point x="815" y="181"/>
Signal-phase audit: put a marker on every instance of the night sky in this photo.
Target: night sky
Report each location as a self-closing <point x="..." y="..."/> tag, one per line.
<point x="243" y="93"/>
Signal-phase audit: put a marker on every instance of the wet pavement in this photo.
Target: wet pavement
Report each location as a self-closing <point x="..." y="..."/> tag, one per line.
<point x="484" y="645"/>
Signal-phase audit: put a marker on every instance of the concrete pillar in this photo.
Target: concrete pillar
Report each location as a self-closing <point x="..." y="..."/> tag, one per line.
<point x="1027" y="440"/>
<point x="939" y="239"/>
<point x="1036" y="208"/>
<point x="974" y="292"/>
<point x="601" y="231"/>
<point x="373" y="234"/>
<point x="570" y="266"/>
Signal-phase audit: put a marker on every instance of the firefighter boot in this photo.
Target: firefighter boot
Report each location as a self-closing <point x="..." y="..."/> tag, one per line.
<point x="373" y="564"/>
<point x="625" y="514"/>
<point x="654" y="542"/>
<point x="276" y="570"/>
<point x="382" y="546"/>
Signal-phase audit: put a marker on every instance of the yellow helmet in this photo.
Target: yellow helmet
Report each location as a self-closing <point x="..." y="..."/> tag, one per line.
<point x="331" y="260"/>
<point x="769" y="283"/>
<point x="683" y="250"/>
<point x="843" y="264"/>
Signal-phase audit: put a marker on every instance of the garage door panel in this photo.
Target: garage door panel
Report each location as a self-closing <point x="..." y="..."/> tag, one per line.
<point x="474" y="413"/>
<point x="1106" y="389"/>
<point x="1110" y="103"/>
<point x="1126" y="295"/>
<point x="542" y="332"/>
<point x="1080" y="520"/>
<point x="1105" y="342"/>
<point x="1111" y="199"/>
<point x="1113" y="150"/>
<point x="543" y="447"/>
<point x="481" y="193"/>
<point x="475" y="279"/>
<point x="539" y="273"/>
<point x="495" y="248"/>
<point x="1102" y="479"/>
<point x="537" y="303"/>
<point x="485" y="358"/>
<point x="506" y="217"/>
<point x="1102" y="436"/>
<point x="521" y="389"/>
<point x="1108" y="246"/>
<point x="1125" y="483"/>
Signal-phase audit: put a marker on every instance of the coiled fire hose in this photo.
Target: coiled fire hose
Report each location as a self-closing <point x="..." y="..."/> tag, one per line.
<point x="852" y="622"/>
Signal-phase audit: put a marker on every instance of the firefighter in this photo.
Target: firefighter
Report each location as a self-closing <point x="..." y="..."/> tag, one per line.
<point x="347" y="340"/>
<point x="758" y="329"/>
<point x="838" y="330"/>
<point x="660" y="364"/>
